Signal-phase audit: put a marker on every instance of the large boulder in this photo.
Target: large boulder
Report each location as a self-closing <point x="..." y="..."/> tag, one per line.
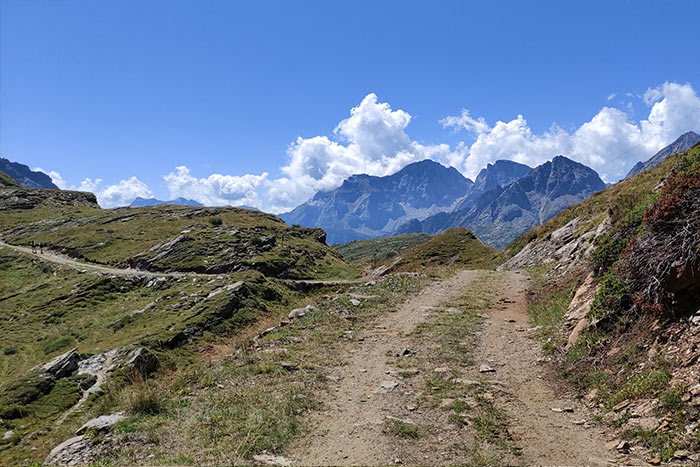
<point x="62" y="365"/>
<point x="73" y="451"/>
<point x="102" y="423"/>
<point x="142" y="361"/>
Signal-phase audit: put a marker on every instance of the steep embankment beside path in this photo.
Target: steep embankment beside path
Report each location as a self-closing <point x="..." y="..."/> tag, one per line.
<point x="627" y="336"/>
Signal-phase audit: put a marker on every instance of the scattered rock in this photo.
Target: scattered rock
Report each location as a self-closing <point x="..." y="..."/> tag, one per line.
<point x="621" y="405"/>
<point x="484" y="368"/>
<point x="102" y="423"/>
<point x="268" y="331"/>
<point x="623" y="446"/>
<point x="388" y="386"/>
<point x="269" y="459"/>
<point x="411" y="407"/>
<point x="643" y="423"/>
<point x="655" y="461"/>
<point x="407" y="352"/>
<point x="8" y="434"/>
<point x="142" y="361"/>
<point x="561" y="410"/>
<point x="409" y="372"/>
<point x="299" y="312"/>
<point x="681" y="454"/>
<point x="443" y="372"/>
<point x="354" y="302"/>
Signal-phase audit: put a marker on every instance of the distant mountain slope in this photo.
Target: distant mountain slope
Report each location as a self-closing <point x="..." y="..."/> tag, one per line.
<point x="25" y="176"/>
<point x="682" y="144"/>
<point x="501" y="214"/>
<point x="365" y="206"/>
<point x="145" y="202"/>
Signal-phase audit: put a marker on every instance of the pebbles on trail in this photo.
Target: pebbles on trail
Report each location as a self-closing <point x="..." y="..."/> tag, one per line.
<point x="269" y="459"/>
<point x="387" y="386"/>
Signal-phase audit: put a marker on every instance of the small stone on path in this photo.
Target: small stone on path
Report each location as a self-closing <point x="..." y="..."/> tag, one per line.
<point x="484" y="368"/>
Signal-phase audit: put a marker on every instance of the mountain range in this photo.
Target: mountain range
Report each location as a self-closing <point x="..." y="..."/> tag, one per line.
<point x="682" y="144"/>
<point x="505" y="200"/>
<point x="25" y="176"/>
<point x="366" y="206"/>
<point x="503" y="213"/>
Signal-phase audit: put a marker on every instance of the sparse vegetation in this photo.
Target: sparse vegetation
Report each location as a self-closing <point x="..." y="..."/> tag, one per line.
<point x="401" y="429"/>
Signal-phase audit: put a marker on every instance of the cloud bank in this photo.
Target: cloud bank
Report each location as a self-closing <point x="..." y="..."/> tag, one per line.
<point x="373" y="140"/>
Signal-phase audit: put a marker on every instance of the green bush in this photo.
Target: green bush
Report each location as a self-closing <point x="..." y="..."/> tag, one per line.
<point x="216" y="221"/>
<point x="57" y="344"/>
<point x="612" y="297"/>
<point x="9" y="350"/>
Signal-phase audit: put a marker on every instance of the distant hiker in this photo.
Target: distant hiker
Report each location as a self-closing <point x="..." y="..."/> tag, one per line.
<point x="33" y="247"/>
<point x="41" y="248"/>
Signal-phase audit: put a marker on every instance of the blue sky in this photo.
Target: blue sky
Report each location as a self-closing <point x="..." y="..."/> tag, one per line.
<point x="113" y="90"/>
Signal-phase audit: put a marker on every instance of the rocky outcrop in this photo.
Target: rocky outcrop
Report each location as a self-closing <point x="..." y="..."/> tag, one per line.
<point x="81" y="449"/>
<point x="565" y="247"/>
<point x="576" y="317"/>
<point x="29" y="198"/>
<point x="61" y="365"/>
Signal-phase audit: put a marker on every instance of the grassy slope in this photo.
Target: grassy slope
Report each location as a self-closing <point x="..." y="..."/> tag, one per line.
<point x="454" y="247"/>
<point x="126" y="237"/>
<point x="6" y="180"/>
<point x="379" y="249"/>
<point x="47" y="309"/>
<point x="622" y="341"/>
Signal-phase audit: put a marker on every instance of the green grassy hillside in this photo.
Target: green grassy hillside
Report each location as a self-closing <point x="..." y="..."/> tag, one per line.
<point x="454" y="247"/>
<point x="179" y="238"/>
<point x="376" y="250"/>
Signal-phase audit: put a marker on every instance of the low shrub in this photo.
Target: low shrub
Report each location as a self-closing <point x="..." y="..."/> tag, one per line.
<point x="57" y="344"/>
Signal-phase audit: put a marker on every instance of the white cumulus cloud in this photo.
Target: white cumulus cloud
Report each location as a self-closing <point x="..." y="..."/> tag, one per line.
<point x="610" y="142"/>
<point x="216" y="189"/>
<point x="121" y="193"/>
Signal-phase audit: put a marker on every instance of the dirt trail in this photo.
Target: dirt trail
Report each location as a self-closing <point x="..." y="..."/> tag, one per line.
<point x="551" y="426"/>
<point x="56" y="258"/>
<point x="351" y="430"/>
<point x="52" y="257"/>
